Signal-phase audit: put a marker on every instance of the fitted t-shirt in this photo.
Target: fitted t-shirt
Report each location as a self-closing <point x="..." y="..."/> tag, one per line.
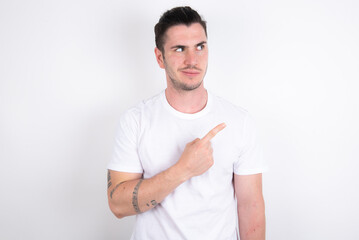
<point x="151" y="138"/>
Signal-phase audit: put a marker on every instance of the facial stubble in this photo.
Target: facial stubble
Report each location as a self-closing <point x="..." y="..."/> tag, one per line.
<point x="181" y="86"/>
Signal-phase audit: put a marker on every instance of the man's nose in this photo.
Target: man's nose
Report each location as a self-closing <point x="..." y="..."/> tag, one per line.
<point x="191" y="58"/>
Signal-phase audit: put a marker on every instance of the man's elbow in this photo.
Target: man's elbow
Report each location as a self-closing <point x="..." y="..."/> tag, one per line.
<point x="117" y="211"/>
<point x="118" y="214"/>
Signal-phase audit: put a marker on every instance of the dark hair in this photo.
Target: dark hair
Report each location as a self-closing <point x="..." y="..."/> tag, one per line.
<point x="173" y="17"/>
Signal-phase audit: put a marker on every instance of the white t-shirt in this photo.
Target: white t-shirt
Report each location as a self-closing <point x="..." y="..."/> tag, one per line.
<point x="151" y="138"/>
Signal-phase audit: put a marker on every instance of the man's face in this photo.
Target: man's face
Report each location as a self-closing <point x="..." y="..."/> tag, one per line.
<point x="185" y="56"/>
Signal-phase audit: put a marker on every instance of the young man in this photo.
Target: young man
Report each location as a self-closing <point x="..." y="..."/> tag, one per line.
<point x="186" y="162"/>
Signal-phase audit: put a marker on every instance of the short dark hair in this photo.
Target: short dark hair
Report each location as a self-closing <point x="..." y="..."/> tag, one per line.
<point x="173" y="17"/>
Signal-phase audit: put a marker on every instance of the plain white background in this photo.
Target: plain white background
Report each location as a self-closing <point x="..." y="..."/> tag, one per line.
<point x="69" y="68"/>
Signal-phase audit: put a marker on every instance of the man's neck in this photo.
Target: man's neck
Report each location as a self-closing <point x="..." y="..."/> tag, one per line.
<point x="187" y="101"/>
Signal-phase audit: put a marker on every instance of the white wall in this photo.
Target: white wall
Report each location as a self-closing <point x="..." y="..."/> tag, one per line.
<point x="69" y="68"/>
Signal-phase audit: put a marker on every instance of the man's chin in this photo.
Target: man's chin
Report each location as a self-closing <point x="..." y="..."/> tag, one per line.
<point x="190" y="87"/>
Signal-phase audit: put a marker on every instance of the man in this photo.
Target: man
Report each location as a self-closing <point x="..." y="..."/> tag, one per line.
<point x="186" y="162"/>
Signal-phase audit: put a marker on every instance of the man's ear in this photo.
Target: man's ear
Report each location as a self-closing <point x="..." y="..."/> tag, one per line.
<point x="159" y="58"/>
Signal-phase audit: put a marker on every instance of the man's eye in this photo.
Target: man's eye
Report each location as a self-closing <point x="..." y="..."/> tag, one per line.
<point x="179" y="49"/>
<point x="200" y="47"/>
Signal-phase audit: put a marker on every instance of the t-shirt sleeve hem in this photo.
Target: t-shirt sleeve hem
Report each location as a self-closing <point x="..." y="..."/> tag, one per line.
<point x="250" y="171"/>
<point x="121" y="168"/>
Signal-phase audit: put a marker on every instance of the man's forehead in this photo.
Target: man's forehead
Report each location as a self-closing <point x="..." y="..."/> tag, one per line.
<point x="194" y="32"/>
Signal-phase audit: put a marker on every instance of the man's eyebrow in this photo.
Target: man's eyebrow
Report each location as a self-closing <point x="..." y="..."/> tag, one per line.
<point x="178" y="46"/>
<point x="183" y="46"/>
<point x="201" y="43"/>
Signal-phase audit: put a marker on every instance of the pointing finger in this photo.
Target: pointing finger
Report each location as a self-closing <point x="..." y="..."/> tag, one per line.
<point x="213" y="132"/>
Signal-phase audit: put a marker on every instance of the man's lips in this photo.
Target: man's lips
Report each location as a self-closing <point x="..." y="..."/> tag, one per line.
<point x="190" y="73"/>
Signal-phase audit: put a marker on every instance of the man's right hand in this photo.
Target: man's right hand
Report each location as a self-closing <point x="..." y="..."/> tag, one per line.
<point x="197" y="156"/>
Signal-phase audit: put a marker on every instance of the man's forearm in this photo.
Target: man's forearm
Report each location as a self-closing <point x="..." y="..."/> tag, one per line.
<point x="251" y="220"/>
<point x="140" y="195"/>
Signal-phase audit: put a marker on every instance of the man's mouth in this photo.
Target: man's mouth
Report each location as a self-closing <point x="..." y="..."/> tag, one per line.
<point x="191" y="73"/>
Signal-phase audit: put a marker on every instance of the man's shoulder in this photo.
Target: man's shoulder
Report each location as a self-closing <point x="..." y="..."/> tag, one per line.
<point x="144" y="105"/>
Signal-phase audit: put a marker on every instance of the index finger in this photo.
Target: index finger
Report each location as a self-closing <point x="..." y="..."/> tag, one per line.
<point x="213" y="132"/>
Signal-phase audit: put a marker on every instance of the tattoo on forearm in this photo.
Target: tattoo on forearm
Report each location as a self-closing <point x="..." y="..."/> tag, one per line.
<point x="115" y="189"/>
<point x="153" y="202"/>
<point x="135" y="197"/>
<point x="109" y="183"/>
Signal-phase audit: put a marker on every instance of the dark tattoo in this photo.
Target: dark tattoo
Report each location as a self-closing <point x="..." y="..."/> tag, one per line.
<point x="115" y="188"/>
<point x="154" y="203"/>
<point x="135" y="197"/>
<point x="109" y="183"/>
<point x="147" y="204"/>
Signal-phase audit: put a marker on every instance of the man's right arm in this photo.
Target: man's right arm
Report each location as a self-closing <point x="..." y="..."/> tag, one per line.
<point x="130" y="194"/>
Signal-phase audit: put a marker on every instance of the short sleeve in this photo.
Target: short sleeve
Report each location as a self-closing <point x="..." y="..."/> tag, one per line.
<point x="250" y="160"/>
<point x="125" y="156"/>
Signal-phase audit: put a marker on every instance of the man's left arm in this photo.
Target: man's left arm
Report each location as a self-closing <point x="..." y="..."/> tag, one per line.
<point x="250" y="202"/>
